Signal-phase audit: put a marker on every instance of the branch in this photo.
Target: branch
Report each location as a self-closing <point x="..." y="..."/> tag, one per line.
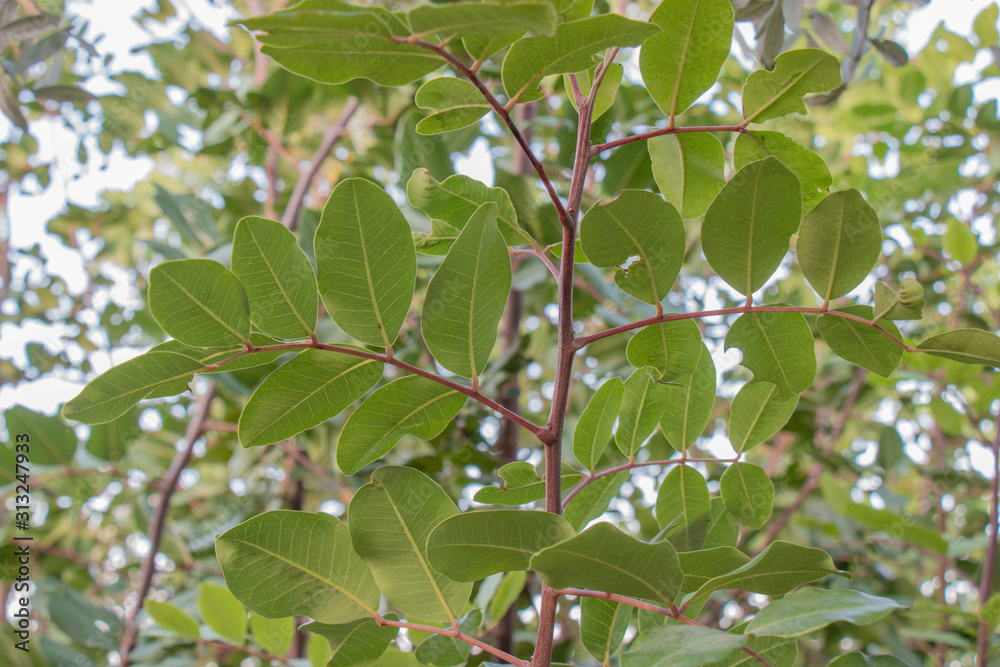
<point x="455" y="634"/>
<point x="600" y="148"/>
<point x="671" y="612"/>
<point x="158" y="522"/>
<point x="538" y="431"/>
<point x="582" y="341"/>
<point x="812" y="481"/>
<point x="291" y="217"/>
<point x="986" y="583"/>
<point x="504" y="115"/>
<point x="587" y="481"/>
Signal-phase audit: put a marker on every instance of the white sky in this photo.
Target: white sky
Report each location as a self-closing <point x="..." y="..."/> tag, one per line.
<point x="117" y="33"/>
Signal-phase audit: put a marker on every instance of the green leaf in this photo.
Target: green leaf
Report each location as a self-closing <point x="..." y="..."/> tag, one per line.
<point x="172" y="618"/>
<point x="355" y="644"/>
<point x="111" y="394"/>
<point x="51" y="442"/>
<point x="366" y="262"/>
<point x="778" y="651"/>
<point x="390" y="519"/>
<point x="960" y="242"/>
<point x="810" y="168"/>
<point x="810" y="609"/>
<point x="770" y="95"/>
<point x="602" y="627"/>
<point x="454" y="200"/>
<point x="334" y="42"/>
<point x="689" y="169"/>
<point x="444" y="650"/>
<point x="594" y="499"/>
<point x="279" y="280"/>
<point x="680" y="646"/>
<point x="473" y="545"/>
<point x="522" y="485"/>
<point x="199" y="302"/>
<point x="702" y="566"/>
<point x="683" y="61"/>
<point x="889" y="305"/>
<point x="603" y="558"/>
<point x="642" y="404"/>
<point x="267" y="569"/>
<point x="683" y="501"/>
<point x="748" y="494"/>
<point x="689" y="401"/>
<point x="457" y="19"/>
<point x="755" y="415"/>
<point x="110" y="441"/>
<point x="409" y="405"/>
<point x="82" y="621"/>
<point x="314" y="386"/>
<point x="222" y="612"/>
<point x="456" y="104"/>
<point x="467" y="295"/>
<point x="593" y="430"/>
<point x="861" y="343"/>
<point x="881" y="519"/>
<point x="747" y="228"/>
<point x="273" y="634"/>
<point x="606" y="94"/>
<point x="779" y="568"/>
<point x="839" y="243"/>
<point x="638" y="224"/>
<point x="569" y="50"/>
<point x="778" y="347"/>
<point x="672" y="348"/>
<point x="969" y="346"/>
<point x="507" y="593"/>
<point x="481" y="47"/>
<point x="723" y="528"/>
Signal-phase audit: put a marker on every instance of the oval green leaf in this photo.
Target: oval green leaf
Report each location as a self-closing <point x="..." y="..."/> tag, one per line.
<point x="756" y="415"/>
<point x="969" y="346"/>
<point x="748" y="493"/>
<point x="366" y="262"/>
<point x="267" y="570"/>
<point x="672" y="348"/>
<point x="172" y="618"/>
<point x="602" y="627"/>
<point x="593" y="430"/>
<point x="778" y="348"/>
<point x="467" y="295"/>
<point x="680" y="646"/>
<point x="638" y="224"/>
<point x="311" y="388"/>
<point x="456" y="104"/>
<point x="278" y="277"/>
<point x="689" y="169"/>
<point x="860" y="343"/>
<point x="409" y="405"/>
<point x="839" y="243"/>
<point x="747" y="228"/>
<point x="643" y="401"/>
<point x="355" y="644"/>
<point x="689" y="401"/>
<point x="683" y="61"/>
<point x="807" y="165"/>
<point x="111" y="394"/>
<point x="603" y="558"/>
<point x="222" y="612"/>
<point x="770" y="95"/>
<point x="391" y="518"/>
<point x="473" y="545"/>
<point x="810" y="609"/>
<point x="199" y="302"/>
<point x="683" y="501"/>
<point x="51" y="441"/>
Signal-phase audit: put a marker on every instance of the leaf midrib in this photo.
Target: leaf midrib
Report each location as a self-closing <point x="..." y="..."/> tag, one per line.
<point x="368" y="271"/>
<point x="277" y="282"/>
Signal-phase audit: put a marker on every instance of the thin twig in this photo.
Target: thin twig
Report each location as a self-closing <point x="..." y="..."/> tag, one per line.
<point x="158" y="522"/>
<point x="538" y="431"/>
<point x="504" y="115"/>
<point x="590" y="479"/>
<point x="736" y="310"/>
<point x="455" y="634"/>
<point x="672" y="612"/>
<point x="597" y="149"/>
<point x="290" y="218"/>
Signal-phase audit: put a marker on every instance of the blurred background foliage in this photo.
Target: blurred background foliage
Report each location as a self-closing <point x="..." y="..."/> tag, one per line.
<point x="124" y="148"/>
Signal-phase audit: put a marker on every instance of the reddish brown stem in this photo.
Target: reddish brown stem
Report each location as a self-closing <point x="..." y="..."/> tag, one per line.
<point x="452" y="632"/>
<point x="600" y="148"/>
